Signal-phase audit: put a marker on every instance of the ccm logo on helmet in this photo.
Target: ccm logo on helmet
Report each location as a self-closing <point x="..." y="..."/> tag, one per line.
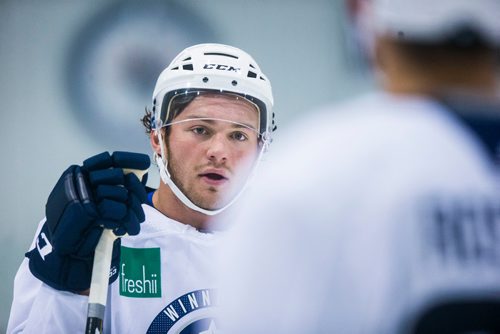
<point x="220" y="67"/>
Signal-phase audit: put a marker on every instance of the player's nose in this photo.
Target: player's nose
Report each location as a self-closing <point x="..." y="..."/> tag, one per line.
<point x="218" y="148"/>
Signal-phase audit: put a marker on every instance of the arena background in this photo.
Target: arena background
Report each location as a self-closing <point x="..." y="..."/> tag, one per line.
<point x="75" y="77"/>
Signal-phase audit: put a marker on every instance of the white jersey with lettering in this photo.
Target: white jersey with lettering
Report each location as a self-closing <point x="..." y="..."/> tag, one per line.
<point x="165" y="285"/>
<point x="369" y="213"/>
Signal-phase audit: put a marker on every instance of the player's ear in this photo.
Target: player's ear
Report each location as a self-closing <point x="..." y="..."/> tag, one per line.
<point x="155" y="142"/>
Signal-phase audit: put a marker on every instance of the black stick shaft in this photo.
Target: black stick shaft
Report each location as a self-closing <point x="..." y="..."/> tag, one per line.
<point x="95" y="316"/>
<point x="94" y="326"/>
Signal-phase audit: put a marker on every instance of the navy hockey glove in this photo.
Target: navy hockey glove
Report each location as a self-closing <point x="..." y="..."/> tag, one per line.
<point x="85" y="200"/>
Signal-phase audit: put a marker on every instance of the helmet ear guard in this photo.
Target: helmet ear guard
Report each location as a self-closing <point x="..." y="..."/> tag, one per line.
<point x="214" y="69"/>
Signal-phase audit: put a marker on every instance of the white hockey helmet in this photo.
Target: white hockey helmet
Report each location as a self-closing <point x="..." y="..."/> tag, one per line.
<point x="219" y="68"/>
<point x="432" y="21"/>
<point x="214" y="68"/>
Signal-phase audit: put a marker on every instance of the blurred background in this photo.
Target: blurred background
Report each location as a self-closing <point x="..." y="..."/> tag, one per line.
<point x="75" y="77"/>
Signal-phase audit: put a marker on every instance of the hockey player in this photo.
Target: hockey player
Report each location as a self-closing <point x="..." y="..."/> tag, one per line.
<point x="210" y="122"/>
<point x="382" y="215"/>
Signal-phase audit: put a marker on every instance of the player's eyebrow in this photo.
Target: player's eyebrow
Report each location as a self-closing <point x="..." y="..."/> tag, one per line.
<point x="212" y="120"/>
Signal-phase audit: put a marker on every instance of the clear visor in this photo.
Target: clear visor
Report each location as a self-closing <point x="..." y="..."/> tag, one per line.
<point x="176" y="102"/>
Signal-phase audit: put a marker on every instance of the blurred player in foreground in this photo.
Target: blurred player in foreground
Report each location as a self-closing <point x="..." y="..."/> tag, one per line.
<point x="210" y="124"/>
<point x="382" y="214"/>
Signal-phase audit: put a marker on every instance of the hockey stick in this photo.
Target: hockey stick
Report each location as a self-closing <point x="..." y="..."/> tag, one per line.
<point x="100" y="275"/>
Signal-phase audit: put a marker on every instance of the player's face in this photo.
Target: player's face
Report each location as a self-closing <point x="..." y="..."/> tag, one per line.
<point x="210" y="160"/>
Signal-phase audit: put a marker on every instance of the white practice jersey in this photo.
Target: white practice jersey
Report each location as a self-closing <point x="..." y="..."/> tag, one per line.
<point x="165" y="285"/>
<point x="368" y="213"/>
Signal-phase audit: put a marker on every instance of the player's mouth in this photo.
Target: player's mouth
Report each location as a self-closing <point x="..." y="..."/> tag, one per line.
<point x="214" y="177"/>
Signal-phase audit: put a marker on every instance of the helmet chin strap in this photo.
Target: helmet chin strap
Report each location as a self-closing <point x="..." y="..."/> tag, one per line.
<point x="166" y="178"/>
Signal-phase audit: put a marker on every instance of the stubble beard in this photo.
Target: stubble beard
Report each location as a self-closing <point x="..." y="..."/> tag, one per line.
<point x="212" y="201"/>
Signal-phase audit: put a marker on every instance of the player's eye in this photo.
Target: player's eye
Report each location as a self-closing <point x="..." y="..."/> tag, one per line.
<point x="239" y="136"/>
<point x="199" y="130"/>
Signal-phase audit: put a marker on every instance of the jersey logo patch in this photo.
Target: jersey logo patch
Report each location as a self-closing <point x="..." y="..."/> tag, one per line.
<point x="140" y="272"/>
<point x="189" y="314"/>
